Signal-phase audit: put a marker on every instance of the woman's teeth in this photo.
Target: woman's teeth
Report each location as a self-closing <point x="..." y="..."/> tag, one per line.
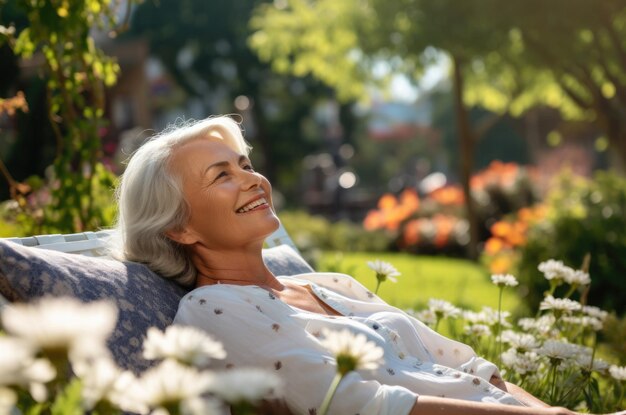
<point x="252" y="205"/>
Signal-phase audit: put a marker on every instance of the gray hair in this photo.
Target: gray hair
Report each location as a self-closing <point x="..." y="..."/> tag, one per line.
<point x="151" y="200"/>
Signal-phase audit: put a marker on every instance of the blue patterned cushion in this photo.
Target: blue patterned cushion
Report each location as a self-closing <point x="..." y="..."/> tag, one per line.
<point x="143" y="298"/>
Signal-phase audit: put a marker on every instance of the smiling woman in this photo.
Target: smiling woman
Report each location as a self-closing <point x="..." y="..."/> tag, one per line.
<point x="228" y="202"/>
<point x="151" y="198"/>
<point x="192" y="208"/>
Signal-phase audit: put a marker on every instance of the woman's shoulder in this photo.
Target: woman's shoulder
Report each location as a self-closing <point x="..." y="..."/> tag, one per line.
<point x="340" y="283"/>
<point x="328" y="279"/>
<point x="220" y="293"/>
<point x="210" y="304"/>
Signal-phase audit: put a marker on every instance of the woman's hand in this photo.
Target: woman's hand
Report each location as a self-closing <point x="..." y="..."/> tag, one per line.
<point x="498" y="382"/>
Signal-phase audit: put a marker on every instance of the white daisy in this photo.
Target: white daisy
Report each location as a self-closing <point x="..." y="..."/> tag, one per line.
<point x="202" y="406"/>
<point x="58" y="326"/>
<point x="384" y="270"/>
<point x="443" y="308"/>
<point x="520" y="341"/>
<point x="504" y="280"/>
<point x="19" y="367"/>
<point x="585" y="362"/>
<point x="585" y="322"/>
<point x="171" y="382"/>
<point x="104" y="381"/>
<point x="352" y="351"/>
<point x="426" y="316"/>
<point x="188" y="345"/>
<point x="246" y="385"/>
<point x="555" y="270"/>
<point x="596" y="312"/>
<point x="473" y="317"/>
<point x="542" y="325"/>
<point x="564" y="305"/>
<point x="521" y="363"/>
<point x="618" y="372"/>
<point x="577" y="277"/>
<point x="489" y="316"/>
<point x="557" y="350"/>
<point x="125" y="392"/>
<point x="8" y="400"/>
<point x="477" y="330"/>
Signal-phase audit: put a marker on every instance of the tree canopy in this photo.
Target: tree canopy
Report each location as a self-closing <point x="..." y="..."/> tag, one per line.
<point x="569" y="55"/>
<point x="203" y="44"/>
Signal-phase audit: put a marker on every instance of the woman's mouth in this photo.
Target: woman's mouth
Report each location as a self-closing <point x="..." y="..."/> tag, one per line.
<point x="255" y="204"/>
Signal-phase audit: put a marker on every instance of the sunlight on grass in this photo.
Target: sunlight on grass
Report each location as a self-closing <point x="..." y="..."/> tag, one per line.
<point x="461" y="282"/>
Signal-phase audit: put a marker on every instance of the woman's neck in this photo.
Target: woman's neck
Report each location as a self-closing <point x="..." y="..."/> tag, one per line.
<point x="239" y="268"/>
<point x="243" y="266"/>
<point x="269" y="282"/>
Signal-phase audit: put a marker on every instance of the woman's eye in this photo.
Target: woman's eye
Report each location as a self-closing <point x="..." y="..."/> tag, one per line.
<point x="221" y="174"/>
<point x="248" y="167"/>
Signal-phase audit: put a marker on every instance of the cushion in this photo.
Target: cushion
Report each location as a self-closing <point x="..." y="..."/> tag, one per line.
<point x="143" y="298"/>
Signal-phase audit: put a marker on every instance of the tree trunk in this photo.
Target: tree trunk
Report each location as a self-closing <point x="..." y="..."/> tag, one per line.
<point x="264" y="139"/>
<point x="616" y="134"/>
<point x="466" y="148"/>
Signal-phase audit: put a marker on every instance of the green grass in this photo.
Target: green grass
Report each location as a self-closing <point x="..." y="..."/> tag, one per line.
<point x="463" y="283"/>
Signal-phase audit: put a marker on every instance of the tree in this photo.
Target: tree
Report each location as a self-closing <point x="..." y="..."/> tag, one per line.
<point x="340" y="42"/>
<point x="506" y="56"/>
<point x="203" y="44"/>
<point x="569" y="55"/>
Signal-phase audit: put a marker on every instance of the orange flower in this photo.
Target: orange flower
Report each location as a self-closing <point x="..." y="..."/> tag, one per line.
<point x="525" y="214"/>
<point x="373" y="220"/>
<point x="392" y="211"/>
<point x="477" y="182"/>
<point x="501" y="229"/>
<point x="387" y="202"/>
<point x="501" y="264"/>
<point x="540" y="212"/>
<point x="393" y="218"/>
<point x="516" y="238"/>
<point x="410" y="200"/>
<point x="448" y="196"/>
<point x="411" y="234"/>
<point x="496" y="174"/>
<point x="444" y="225"/>
<point x="494" y="245"/>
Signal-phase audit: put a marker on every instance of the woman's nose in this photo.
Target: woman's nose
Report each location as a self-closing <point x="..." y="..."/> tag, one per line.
<point x="251" y="180"/>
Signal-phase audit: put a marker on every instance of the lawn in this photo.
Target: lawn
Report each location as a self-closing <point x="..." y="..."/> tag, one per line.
<point x="463" y="283"/>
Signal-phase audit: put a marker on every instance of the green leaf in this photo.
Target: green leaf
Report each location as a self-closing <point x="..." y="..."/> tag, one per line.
<point x="24" y="45"/>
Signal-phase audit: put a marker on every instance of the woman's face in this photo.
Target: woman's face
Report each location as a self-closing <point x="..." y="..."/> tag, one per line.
<point x="230" y="204"/>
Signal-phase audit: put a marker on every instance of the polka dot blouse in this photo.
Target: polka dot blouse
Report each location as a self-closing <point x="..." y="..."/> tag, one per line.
<point x="258" y="329"/>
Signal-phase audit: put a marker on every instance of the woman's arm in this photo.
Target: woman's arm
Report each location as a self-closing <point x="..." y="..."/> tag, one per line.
<point x="524" y="396"/>
<point x="519" y="393"/>
<point x="431" y="405"/>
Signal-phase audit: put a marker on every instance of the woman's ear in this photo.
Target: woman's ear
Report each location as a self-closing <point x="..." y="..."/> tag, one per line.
<point x="183" y="236"/>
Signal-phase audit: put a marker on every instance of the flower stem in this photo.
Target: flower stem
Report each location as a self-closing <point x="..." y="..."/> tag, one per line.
<point x="553" y="386"/>
<point x="331" y="392"/>
<point x="499" y="329"/>
<point x="377" y="286"/>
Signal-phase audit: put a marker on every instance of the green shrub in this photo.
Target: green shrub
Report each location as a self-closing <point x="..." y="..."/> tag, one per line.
<point x="35" y="212"/>
<point x="584" y="217"/>
<point x="313" y="234"/>
<point x="613" y="334"/>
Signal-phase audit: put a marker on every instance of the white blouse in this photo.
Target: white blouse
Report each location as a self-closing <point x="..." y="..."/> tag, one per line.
<point x="258" y="329"/>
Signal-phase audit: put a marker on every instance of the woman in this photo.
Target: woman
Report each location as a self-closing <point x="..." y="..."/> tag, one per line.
<point x="192" y="207"/>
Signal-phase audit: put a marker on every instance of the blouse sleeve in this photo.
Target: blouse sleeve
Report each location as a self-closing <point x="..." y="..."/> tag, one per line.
<point x="263" y="334"/>
<point x="452" y="353"/>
